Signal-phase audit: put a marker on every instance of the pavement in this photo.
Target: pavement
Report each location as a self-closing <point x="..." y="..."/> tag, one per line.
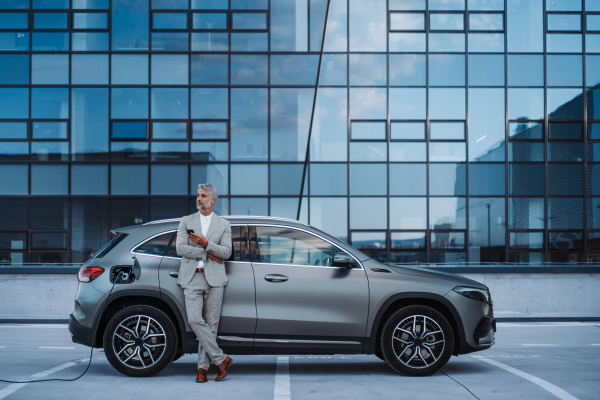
<point x="530" y="360"/>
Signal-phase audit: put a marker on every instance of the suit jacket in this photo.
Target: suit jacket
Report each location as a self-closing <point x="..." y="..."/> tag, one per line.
<point x="219" y="244"/>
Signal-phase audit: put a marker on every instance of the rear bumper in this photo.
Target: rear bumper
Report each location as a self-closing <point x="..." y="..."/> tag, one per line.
<point x="79" y="333"/>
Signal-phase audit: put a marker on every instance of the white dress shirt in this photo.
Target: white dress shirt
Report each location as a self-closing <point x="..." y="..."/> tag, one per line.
<point x="205" y="221"/>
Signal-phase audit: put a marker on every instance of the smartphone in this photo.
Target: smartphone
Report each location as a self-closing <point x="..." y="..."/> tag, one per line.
<point x="190" y="231"/>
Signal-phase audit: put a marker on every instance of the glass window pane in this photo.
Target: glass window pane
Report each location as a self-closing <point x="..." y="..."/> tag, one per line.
<point x="408" y="213"/>
<point x="408" y="130"/>
<point x="170" y="20"/>
<point x="368" y="103"/>
<point x="406" y="42"/>
<point x="249" y="179"/>
<point x="50" y="151"/>
<point x="487" y="127"/>
<point x="593" y="23"/>
<point x="329" y="180"/>
<point x="129" y="69"/>
<point x="50" y="21"/>
<point x="169" y="179"/>
<point x="49" y="179"/>
<point x="169" y="41"/>
<point x="289" y="25"/>
<point x="526" y="179"/>
<point x="249" y="69"/>
<point x="407" y="5"/>
<point x="447" y="179"/>
<point x="202" y="41"/>
<point x="10" y="41"/>
<point x="50" y="69"/>
<point x="408" y="152"/>
<point x="486" y="42"/>
<point x="129" y="103"/>
<point x="593" y="106"/>
<point x="209" y="20"/>
<point x="368" y="151"/>
<point x="526" y="131"/>
<point x="14" y="103"/>
<point x="334" y="70"/>
<point x="290" y="119"/>
<point x="90" y="20"/>
<point x="446" y="70"/>
<point x="250" y="21"/>
<point x="169" y="130"/>
<point x="406" y="103"/>
<point x="91" y="4"/>
<point x="564" y="70"/>
<point x="565" y="131"/>
<point x="526" y="213"/>
<point x="368" y="131"/>
<point x="368" y="70"/>
<point x="565" y="180"/>
<point x="449" y="5"/>
<point x="172" y="69"/>
<point x="90" y="41"/>
<point x="89" y="124"/>
<point x="209" y="130"/>
<point x="14" y="4"/>
<point x="249" y="41"/>
<point x="486" y="22"/>
<point x="48" y="241"/>
<point x="447" y="42"/>
<point x="563" y="43"/>
<point x="286" y="179"/>
<point x="487" y="238"/>
<point x="217" y="174"/>
<point x="129" y="151"/>
<point x="294" y="69"/>
<point x="447" y="151"/>
<point x="329" y="140"/>
<point x="525" y="26"/>
<point x="14" y="21"/>
<point x="209" y="69"/>
<point x="129" y="179"/>
<point x="447" y="131"/>
<point x="14" y="151"/>
<point x="169" y="151"/>
<point x="249" y="124"/>
<point x="368" y="179"/>
<point x="50" y="103"/>
<point x="526" y="240"/>
<point x="210" y="4"/>
<point x="558" y="151"/>
<point x="50" y="4"/>
<point x="89" y="69"/>
<point x="407" y="21"/>
<point x="368" y="22"/>
<point x="592" y="70"/>
<point x="210" y="151"/>
<point x="486" y="70"/>
<point x="446" y="104"/>
<point x="249" y="4"/>
<point x="89" y="179"/>
<point x="369" y="240"/>
<point x="565" y="213"/>
<point x="210" y="104"/>
<point x="408" y="180"/>
<point x="13" y="241"/>
<point x="524" y="151"/>
<point x="50" y="41"/>
<point x="408" y="240"/>
<point x="565" y="104"/>
<point x="525" y="104"/>
<point x="447" y="240"/>
<point x="564" y="22"/>
<point x="129" y="130"/>
<point x="447" y="213"/>
<point x="376" y="218"/>
<point x="446" y="22"/>
<point x="525" y="70"/>
<point x="14" y="180"/>
<point x="130" y="25"/>
<point x="407" y="69"/>
<point x="14" y="130"/>
<point x="563" y="5"/>
<point x="170" y="103"/>
<point x="128" y="212"/>
<point x="486" y="179"/>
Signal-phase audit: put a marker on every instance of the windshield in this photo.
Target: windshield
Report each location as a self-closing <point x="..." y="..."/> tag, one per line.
<point x="110" y="245"/>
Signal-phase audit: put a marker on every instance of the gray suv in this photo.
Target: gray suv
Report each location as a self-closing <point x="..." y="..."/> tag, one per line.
<point x="292" y="289"/>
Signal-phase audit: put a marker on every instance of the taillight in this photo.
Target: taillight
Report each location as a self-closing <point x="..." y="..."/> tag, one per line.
<point x="88" y="274"/>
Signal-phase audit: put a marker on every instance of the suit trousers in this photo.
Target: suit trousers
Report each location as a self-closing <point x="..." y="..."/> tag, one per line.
<point x="203" y="304"/>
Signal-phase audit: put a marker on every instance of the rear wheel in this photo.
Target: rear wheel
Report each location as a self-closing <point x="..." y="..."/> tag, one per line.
<point x="417" y="341"/>
<point x="140" y="341"/>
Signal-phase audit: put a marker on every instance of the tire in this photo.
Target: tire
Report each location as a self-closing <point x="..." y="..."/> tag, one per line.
<point x="125" y="339"/>
<point x="178" y="355"/>
<point x="380" y="356"/>
<point x="411" y="350"/>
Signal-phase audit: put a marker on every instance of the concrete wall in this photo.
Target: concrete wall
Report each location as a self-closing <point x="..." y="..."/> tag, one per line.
<point x="52" y="295"/>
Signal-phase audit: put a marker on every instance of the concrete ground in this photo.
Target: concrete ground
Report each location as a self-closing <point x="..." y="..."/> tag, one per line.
<point x="531" y="360"/>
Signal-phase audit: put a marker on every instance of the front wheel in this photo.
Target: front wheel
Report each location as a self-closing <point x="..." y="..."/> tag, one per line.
<point x="417" y="341"/>
<point x="140" y="341"/>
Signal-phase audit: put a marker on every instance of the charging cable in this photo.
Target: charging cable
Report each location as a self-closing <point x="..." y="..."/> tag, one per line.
<point x="123" y="276"/>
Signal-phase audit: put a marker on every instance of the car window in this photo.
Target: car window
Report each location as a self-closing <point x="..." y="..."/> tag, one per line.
<point x="172" y="252"/>
<point x="156" y="246"/>
<point x="289" y="246"/>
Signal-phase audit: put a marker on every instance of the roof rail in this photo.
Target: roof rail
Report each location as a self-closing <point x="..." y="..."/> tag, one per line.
<point x="161" y="221"/>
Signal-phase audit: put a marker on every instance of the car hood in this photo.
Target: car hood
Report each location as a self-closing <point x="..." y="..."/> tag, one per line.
<point x="430" y="273"/>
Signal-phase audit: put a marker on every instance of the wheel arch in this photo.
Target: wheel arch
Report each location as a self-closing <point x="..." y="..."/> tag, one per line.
<point x="398" y="301"/>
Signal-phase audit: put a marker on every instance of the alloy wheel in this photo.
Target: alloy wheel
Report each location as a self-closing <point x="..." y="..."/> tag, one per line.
<point x="139" y="341"/>
<point x="418" y="341"/>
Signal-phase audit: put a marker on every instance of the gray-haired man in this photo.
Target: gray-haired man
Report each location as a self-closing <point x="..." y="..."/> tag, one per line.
<point x="202" y="276"/>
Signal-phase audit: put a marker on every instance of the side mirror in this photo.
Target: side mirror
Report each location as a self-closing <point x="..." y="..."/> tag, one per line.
<point x="343" y="260"/>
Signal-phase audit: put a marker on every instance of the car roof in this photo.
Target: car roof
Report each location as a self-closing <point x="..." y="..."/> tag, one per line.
<point x="236" y="218"/>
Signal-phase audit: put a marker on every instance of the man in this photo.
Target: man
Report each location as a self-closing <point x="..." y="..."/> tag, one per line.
<point x="202" y="276"/>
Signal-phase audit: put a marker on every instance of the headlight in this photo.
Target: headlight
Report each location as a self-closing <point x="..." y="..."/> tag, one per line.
<point x="482" y="295"/>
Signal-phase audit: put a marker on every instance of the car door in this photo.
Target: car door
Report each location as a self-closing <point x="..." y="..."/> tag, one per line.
<point x="303" y="303"/>
<point x="238" y="313"/>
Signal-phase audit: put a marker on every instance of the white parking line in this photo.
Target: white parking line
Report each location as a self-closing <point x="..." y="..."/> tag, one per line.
<point x="7" y="391"/>
<point x="539" y="345"/>
<point x="56" y="348"/>
<point x="595" y="344"/>
<point x="555" y="390"/>
<point x="39" y="326"/>
<point x="2" y="347"/>
<point x="282" y="379"/>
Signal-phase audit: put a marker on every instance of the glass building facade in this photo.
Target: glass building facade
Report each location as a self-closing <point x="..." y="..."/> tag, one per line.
<point x="442" y="131"/>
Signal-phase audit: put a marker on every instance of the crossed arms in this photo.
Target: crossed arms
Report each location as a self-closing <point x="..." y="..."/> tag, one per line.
<point x="216" y="252"/>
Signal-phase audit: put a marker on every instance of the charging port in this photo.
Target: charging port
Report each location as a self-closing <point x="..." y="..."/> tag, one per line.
<point x="122" y="274"/>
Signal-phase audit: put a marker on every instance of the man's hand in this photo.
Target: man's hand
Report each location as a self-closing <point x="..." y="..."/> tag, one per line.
<point x="215" y="258"/>
<point x="200" y="240"/>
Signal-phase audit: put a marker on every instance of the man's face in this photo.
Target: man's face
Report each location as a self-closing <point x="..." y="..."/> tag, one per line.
<point x="203" y="200"/>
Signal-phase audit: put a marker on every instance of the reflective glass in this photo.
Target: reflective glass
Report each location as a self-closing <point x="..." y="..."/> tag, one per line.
<point x="14" y="4"/>
<point x="487" y="239"/>
<point x="487" y="127"/>
<point x="447" y="131"/>
<point x="294" y="69"/>
<point x="129" y="130"/>
<point x="447" y="104"/>
<point x="13" y="130"/>
<point x="209" y="130"/>
<point x="334" y="70"/>
<point x="14" y="180"/>
<point x="249" y="179"/>
<point x="594" y="131"/>
<point x="408" y="130"/>
<point x="525" y="70"/>
<point x="447" y="151"/>
<point x="172" y="69"/>
<point x="129" y="179"/>
<point x="316" y="22"/>
<point x="486" y="5"/>
<point x="592" y="70"/>
<point x="368" y="103"/>
<point x="217" y="174"/>
<point x="329" y="140"/>
<point x="50" y="4"/>
<point x="14" y="103"/>
<point x="526" y="213"/>
<point x="290" y="119"/>
<point x="368" y="22"/>
<point x="289" y="25"/>
<point x="249" y="124"/>
<point x="447" y="213"/>
<point x="129" y="151"/>
<point x="408" y="213"/>
<point x="337" y="26"/>
<point x="48" y="241"/>
<point x="408" y="152"/>
<point x="89" y="69"/>
<point x="563" y="43"/>
<point x="89" y="124"/>
<point x="565" y="104"/>
<point x="526" y="240"/>
<point x="210" y="151"/>
<point x="249" y="69"/>
<point x="407" y="69"/>
<point x="250" y="21"/>
<point x="91" y="4"/>
<point x="486" y="70"/>
<point x="593" y="176"/>
<point x="90" y="20"/>
<point x="525" y="104"/>
<point x="210" y="4"/>
<point x="447" y="240"/>
<point x="14" y="21"/>
<point x="14" y="151"/>
<point x="446" y="22"/>
<point x="329" y="180"/>
<point x="565" y="213"/>
<point x="50" y="103"/>
<point x="50" y="21"/>
<point x="408" y="240"/>
<point x="368" y="179"/>
<point x="10" y="41"/>
<point x="128" y="212"/>
<point x="406" y="42"/>
<point x="14" y="69"/>
<point x="486" y="179"/>
<point x="169" y="41"/>
<point x="376" y="218"/>
<point x="368" y="70"/>
<point x="563" y="5"/>
<point x="90" y="41"/>
<point x="49" y="179"/>
<point x="89" y="179"/>
<point x="202" y="41"/>
<point x="169" y="130"/>
<point x="450" y="5"/>
<point x="408" y="179"/>
<point x="161" y="208"/>
<point x="407" y="104"/>
<point x="286" y="179"/>
<point x="50" y="41"/>
<point x="169" y="151"/>
<point x="567" y="131"/>
<point x="564" y="22"/>
<point x="592" y="5"/>
<point x="170" y="20"/>
<point x="49" y="69"/>
<point x="407" y="21"/>
<point x="486" y="42"/>
<point x="209" y="21"/>
<point x="170" y="103"/>
<point x="130" y="25"/>
<point x="129" y="103"/>
<point x="129" y="69"/>
<point x="169" y="179"/>
<point x="446" y="70"/>
<point x="486" y="22"/>
<point x="565" y="180"/>
<point x="525" y="26"/>
<point x="447" y="42"/>
<point x="525" y="130"/>
<point x="593" y="152"/>
<point x="49" y="130"/>
<point x="593" y="23"/>
<point x="407" y="5"/>
<point x="249" y="41"/>
<point x="249" y="4"/>
<point x="50" y="151"/>
<point x="368" y="131"/>
<point x="565" y="151"/>
<point x="447" y="180"/>
<point x="525" y="151"/>
<point x="368" y="151"/>
<point x="210" y="104"/>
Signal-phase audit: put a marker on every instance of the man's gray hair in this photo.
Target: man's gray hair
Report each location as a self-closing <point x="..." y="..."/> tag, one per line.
<point x="210" y="189"/>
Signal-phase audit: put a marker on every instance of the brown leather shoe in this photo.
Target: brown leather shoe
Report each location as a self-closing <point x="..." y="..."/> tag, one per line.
<point x="201" y="377"/>
<point x="223" y="367"/>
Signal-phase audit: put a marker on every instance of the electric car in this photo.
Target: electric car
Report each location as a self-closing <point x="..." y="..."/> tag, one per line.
<point x="292" y="289"/>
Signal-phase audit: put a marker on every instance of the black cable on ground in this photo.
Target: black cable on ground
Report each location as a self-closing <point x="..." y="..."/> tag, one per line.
<point x="460" y="384"/>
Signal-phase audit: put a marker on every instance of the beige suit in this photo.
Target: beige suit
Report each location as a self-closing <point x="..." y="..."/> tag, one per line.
<point x="204" y="291"/>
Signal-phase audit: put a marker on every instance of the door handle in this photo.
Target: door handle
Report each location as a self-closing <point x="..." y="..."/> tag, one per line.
<point x="174" y="274"/>
<point x="275" y="278"/>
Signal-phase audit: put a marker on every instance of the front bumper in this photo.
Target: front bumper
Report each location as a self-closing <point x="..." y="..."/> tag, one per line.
<point x="79" y="333"/>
